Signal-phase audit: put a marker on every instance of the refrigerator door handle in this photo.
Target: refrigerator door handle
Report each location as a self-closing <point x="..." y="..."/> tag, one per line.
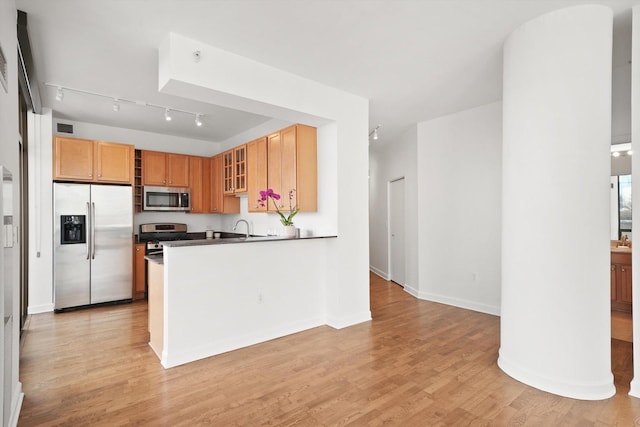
<point x="86" y="231"/>
<point x="93" y="230"/>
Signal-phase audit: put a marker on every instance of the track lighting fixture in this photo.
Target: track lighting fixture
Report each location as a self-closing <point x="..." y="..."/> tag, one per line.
<point x="116" y="102"/>
<point x="618" y="150"/>
<point x="374" y="133"/>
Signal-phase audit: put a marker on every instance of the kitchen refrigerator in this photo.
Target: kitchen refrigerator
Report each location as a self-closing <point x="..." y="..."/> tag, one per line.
<point x="92" y="249"/>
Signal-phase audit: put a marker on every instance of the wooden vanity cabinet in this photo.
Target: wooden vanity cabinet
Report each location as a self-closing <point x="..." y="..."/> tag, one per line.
<point x="87" y="160"/>
<point x="256" y="173"/>
<point x="139" y="271"/>
<point x="621" y="275"/>
<point x="165" y="169"/>
<point x="221" y="203"/>
<point x="292" y="165"/>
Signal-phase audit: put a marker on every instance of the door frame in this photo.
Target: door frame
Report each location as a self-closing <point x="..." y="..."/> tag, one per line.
<point x="389" y="251"/>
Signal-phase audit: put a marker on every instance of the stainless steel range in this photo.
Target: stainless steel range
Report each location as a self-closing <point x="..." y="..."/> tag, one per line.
<point x="153" y="234"/>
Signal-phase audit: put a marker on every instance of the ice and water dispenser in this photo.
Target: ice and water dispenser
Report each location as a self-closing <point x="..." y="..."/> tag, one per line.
<point x="73" y="229"/>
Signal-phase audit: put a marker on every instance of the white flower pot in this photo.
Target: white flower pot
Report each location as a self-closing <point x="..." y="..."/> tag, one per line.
<point x="289" y="231"/>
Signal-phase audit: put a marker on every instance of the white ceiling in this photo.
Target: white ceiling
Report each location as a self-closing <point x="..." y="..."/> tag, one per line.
<point x="415" y="60"/>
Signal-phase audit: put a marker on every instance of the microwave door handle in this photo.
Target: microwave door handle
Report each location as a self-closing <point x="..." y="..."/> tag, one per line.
<point x="179" y="199"/>
<point x="87" y="229"/>
<point x="93" y="230"/>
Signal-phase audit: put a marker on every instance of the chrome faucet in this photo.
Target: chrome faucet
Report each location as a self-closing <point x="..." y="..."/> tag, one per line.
<point x="238" y="222"/>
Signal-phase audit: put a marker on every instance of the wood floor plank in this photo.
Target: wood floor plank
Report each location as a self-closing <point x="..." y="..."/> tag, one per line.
<point x="417" y="363"/>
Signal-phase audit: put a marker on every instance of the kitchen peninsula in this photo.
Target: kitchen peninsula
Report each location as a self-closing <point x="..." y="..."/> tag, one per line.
<point x="208" y="297"/>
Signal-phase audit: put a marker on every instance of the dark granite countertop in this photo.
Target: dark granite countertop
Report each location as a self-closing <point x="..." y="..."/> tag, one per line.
<point x="250" y="239"/>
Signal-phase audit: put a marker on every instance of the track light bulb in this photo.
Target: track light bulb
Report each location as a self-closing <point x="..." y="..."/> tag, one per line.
<point x="198" y="121"/>
<point x="167" y="116"/>
<point x="116" y="105"/>
<point x="375" y="135"/>
<point x="59" y="94"/>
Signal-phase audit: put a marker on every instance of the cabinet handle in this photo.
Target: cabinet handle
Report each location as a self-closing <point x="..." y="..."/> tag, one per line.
<point x="622" y="269"/>
<point x="613" y="267"/>
<point x="164" y="182"/>
<point x="90" y="175"/>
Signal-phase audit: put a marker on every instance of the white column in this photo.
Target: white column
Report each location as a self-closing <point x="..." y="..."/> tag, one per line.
<point x="555" y="320"/>
<point x="635" y="170"/>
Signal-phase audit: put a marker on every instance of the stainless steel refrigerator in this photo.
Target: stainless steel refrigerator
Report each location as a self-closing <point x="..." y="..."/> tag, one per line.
<point x="92" y="249"/>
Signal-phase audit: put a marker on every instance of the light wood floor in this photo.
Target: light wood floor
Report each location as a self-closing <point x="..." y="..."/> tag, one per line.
<point x="416" y="364"/>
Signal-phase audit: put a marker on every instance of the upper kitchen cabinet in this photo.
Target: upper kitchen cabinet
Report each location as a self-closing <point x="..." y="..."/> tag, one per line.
<point x="165" y="169"/>
<point x="219" y="202"/>
<point x="234" y="170"/>
<point x="292" y="166"/>
<point x="92" y="161"/>
<point x="114" y="162"/>
<point x="200" y="184"/>
<point x="256" y="173"/>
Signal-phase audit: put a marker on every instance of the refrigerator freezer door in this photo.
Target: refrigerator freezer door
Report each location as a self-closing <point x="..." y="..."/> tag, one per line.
<point x="112" y="251"/>
<point x="71" y="272"/>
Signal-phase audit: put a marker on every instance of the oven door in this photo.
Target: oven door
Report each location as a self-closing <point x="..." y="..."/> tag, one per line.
<point x="167" y="199"/>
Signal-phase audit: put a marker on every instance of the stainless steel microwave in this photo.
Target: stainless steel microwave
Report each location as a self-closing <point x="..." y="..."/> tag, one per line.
<point x="166" y="199"/>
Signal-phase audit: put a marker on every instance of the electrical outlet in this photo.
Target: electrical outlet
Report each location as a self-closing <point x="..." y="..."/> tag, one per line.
<point x="260" y="298"/>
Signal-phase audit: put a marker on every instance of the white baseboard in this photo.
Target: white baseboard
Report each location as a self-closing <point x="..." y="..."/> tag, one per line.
<point x="559" y="386"/>
<point x="344" y="322"/>
<point x="36" y="309"/>
<point x="412" y="291"/>
<point x="18" y="397"/>
<point x="378" y="272"/>
<point x="461" y="303"/>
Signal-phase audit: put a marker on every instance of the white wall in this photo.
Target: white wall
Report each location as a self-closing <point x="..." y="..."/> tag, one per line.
<point x="386" y="163"/>
<point x="459" y="200"/>
<point x="230" y="80"/>
<point x="40" y="213"/>
<point x="555" y="317"/>
<point x="9" y="158"/>
<point x="635" y="145"/>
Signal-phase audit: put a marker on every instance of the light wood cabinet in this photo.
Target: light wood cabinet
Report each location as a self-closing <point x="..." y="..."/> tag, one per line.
<point x="92" y="161"/>
<point x="234" y="170"/>
<point x="621" y="275"/>
<point x="200" y="184"/>
<point x="139" y="271"/>
<point x="256" y="173"/>
<point x="221" y="203"/>
<point x="292" y="167"/>
<point x="114" y="162"/>
<point x="165" y="169"/>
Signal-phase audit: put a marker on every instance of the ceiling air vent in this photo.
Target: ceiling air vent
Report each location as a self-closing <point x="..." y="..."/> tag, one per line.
<point x="3" y="71"/>
<point x="65" y="128"/>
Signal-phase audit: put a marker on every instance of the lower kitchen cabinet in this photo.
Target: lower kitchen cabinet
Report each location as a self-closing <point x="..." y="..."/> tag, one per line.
<point x="621" y="281"/>
<point x="139" y="271"/>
